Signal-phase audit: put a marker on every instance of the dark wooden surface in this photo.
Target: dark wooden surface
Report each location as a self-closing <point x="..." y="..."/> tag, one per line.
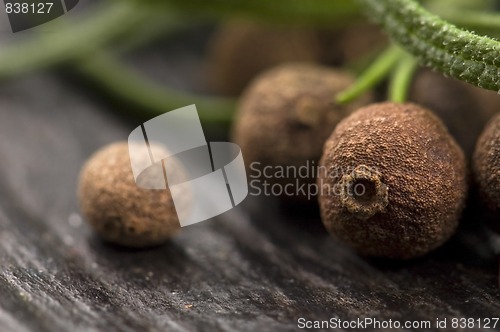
<point x="259" y="267"/>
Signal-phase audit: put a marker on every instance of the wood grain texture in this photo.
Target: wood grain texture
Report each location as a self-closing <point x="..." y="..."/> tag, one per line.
<point x="258" y="267"/>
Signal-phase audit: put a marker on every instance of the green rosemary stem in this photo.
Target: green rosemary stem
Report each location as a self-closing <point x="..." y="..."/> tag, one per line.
<point x="400" y="82"/>
<point x="102" y="25"/>
<point x="375" y="73"/>
<point x="439" y="44"/>
<point x="108" y="73"/>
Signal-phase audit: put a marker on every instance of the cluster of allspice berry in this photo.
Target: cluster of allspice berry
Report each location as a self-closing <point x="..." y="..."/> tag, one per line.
<point x="392" y="180"/>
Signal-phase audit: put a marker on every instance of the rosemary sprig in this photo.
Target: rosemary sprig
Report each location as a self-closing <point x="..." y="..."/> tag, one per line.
<point x="439" y="44"/>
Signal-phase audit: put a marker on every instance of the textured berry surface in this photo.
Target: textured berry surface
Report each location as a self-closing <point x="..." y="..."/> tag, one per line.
<point x="413" y="173"/>
<point x="118" y="210"/>
<point x="287" y="114"/>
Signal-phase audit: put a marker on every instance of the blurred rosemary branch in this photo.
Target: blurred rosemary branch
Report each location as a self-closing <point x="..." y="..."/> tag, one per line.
<point x="103" y="25"/>
<point x="123" y="82"/>
<point x="435" y="42"/>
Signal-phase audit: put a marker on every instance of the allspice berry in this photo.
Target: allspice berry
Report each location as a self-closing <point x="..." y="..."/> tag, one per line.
<point x="486" y="168"/>
<point x="240" y="50"/>
<point x="284" y="118"/>
<point x="352" y="43"/>
<point x="393" y="181"/>
<point x="116" y="208"/>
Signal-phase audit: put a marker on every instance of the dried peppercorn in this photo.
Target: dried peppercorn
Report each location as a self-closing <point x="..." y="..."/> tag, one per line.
<point x="240" y="50"/>
<point x="116" y="208"/>
<point x="393" y="182"/>
<point x="286" y="115"/>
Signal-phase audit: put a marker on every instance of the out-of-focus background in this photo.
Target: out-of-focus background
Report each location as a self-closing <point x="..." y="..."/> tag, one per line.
<point x="88" y="78"/>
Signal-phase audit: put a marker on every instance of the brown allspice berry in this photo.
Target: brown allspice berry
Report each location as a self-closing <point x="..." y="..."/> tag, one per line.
<point x="486" y="169"/>
<point x="285" y="116"/>
<point x="117" y="209"/>
<point x="351" y="43"/>
<point x="393" y="181"/>
<point x="239" y="50"/>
